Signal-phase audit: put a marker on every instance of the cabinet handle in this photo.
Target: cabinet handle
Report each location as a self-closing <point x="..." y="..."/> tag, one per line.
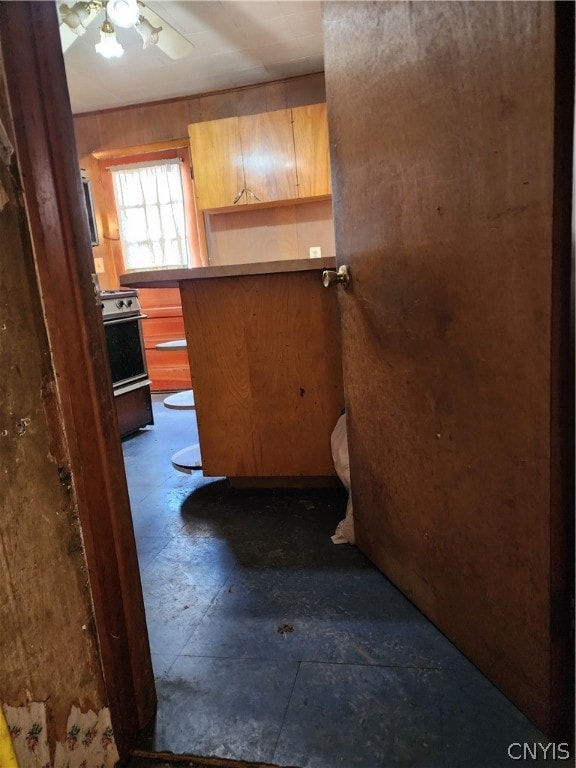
<point x="238" y="196"/>
<point x="249" y="191"/>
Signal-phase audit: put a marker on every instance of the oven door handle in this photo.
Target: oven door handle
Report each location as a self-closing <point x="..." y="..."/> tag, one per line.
<point x="116" y="321"/>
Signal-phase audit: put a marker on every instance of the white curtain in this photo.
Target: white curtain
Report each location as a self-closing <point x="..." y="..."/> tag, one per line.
<point x="150" y="204"/>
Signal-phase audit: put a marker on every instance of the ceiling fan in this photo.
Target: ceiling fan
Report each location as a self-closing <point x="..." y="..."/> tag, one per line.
<point x="120" y="13"/>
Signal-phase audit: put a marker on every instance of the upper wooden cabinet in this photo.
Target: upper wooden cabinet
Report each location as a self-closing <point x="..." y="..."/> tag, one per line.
<point x="268" y="157"/>
<point x="310" y="127"/>
<point x="263" y="158"/>
<point x="217" y="164"/>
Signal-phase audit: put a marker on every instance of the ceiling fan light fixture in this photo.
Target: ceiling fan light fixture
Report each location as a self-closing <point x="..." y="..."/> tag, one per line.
<point x="75" y="16"/>
<point x="124" y="13"/>
<point x="147" y="32"/>
<point x="108" y="46"/>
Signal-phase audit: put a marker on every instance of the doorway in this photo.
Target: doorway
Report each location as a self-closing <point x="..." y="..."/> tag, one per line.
<point x="77" y="276"/>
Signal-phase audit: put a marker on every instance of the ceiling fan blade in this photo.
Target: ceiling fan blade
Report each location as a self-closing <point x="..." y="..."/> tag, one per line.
<point x="170" y="42"/>
<point x="68" y="36"/>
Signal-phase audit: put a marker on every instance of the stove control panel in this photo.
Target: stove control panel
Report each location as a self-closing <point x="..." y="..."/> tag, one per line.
<point x="120" y="303"/>
<point x="116" y="304"/>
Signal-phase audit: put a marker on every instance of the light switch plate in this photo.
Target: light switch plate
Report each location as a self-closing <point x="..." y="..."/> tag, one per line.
<point x="315" y="252"/>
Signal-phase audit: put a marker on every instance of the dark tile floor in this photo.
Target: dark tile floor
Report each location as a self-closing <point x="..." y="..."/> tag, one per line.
<point x="272" y="644"/>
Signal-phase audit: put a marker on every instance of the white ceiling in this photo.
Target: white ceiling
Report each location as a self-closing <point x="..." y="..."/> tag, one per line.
<point x="236" y="42"/>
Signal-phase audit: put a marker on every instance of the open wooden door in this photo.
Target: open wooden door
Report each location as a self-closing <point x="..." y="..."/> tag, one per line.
<point x="451" y="168"/>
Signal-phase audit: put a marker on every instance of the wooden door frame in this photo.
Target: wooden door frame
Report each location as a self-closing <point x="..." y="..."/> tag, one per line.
<point x="50" y="178"/>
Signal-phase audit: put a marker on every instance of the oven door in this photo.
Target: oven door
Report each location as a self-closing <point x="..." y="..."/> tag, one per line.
<point x="126" y="352"/>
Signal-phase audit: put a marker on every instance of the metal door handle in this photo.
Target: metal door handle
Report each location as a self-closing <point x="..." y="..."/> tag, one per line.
<point x="238" y="196"/>
<point x="329" y="277"/>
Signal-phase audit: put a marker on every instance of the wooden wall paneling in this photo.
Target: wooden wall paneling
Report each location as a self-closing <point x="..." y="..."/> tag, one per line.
<point x="305" y="90"/>
<point x="143" y="124"/>
<point x="268" y="156"/>
<point x="168" y="370"/>
<point x="251" y="101"/>
<point x="194" y="114"/>
<point x="275" y="96"/>
<point x="109" y="277"/>
<point x="153" y="300"/>
<point x="217" y="106"/>
<point x="139" y="152"/>
<point x="110" y="227"/>
<point x="266" y="373"/>
<point x="87" y="132"/>
<point x="164" y="328"/>
<point x="103" y="130"/>
<point x="40" y="109"/>
<point x="163" y="120"/>
<point x="123" y="128"/>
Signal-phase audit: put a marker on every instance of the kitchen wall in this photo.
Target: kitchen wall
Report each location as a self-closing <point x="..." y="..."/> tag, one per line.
<point x="167" y="120"/>
<point x="149" y="126"/>
<point x="268" y="234"/>
<point x="239" y="237"/>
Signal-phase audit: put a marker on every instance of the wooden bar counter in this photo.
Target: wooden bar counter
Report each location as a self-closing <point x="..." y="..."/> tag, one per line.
<point x="264" y="349"/>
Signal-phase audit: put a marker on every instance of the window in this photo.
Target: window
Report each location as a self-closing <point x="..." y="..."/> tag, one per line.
<point x="151" y="214"/>
<point x="150" y="219"/>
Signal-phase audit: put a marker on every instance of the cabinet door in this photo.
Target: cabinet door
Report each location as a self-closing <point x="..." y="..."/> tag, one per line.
<point x="268" y="155"/>
<point x="217" y="162"/>
<point x="312" y="150"/>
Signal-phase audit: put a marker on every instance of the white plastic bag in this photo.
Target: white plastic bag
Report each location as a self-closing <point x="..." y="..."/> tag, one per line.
<point x="344" y="533"/>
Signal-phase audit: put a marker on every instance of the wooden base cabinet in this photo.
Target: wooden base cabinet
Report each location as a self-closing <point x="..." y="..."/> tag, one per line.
<point x="266" y="372"/>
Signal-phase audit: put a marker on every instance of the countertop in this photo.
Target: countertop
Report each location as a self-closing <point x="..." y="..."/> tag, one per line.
<point x="171" y="278"/>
